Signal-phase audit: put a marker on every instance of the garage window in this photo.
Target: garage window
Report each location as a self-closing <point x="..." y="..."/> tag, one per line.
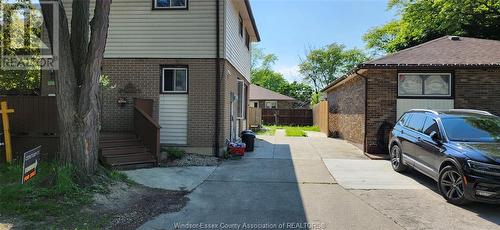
<point x="424" y="84"/>
<point x="271" y="104"/>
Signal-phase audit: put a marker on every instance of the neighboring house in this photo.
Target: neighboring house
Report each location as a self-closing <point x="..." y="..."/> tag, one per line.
<point x="263" y="98"/>
<point x="191" y="57"/>
<point x="445" y="73"/>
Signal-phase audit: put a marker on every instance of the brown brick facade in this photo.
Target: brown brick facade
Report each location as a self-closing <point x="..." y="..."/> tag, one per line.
<point x="478" y="89"/>
<point x="140" y="78"/>
<point x="346" y="107"/>
<point x="473" y="89"/>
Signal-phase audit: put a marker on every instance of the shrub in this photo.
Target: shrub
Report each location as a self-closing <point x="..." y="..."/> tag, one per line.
<point x="175" y="153"/>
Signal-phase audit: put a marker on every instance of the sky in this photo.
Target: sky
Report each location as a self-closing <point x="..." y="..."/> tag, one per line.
<point x="288" y="28"/>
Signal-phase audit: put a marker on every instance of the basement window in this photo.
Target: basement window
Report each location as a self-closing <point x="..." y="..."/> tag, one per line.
<point x="170" y="4"/>
<point x="174" y="80"/>
<point x="424" y="85"/>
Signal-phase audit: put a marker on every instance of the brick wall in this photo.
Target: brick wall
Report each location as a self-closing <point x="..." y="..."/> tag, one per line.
<point x="478" y="89"/>
<point x="346" y="107"/>
<point x="141" y="78"/>
<point x="381" y="108"/>
<point x="231" y="86"/>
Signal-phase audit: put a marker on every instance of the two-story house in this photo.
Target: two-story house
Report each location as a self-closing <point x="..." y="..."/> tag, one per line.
<point x="191" y="58"/>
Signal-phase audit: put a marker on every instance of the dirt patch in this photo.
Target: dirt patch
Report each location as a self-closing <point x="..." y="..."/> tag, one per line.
<point x="130" y="206"/>
<point x="125" y="206"/>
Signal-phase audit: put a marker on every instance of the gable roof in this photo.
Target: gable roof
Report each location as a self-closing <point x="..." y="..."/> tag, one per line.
<point x="257" y="93"/>
<point x="447" y="50"/>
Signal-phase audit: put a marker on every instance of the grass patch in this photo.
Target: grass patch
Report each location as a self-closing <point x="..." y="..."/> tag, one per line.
<point x="291" y="131"/>
<point x="56" y="196"/>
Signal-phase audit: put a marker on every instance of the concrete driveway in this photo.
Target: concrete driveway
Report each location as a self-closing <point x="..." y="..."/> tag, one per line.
<point x="287" y="183"/>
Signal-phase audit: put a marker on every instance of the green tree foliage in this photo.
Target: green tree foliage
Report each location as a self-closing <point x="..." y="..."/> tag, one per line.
<point x="262" y="74"/>
<point x="424" y="20"/>
<point x="322" y="66"/>
<point x="24" y="80"/>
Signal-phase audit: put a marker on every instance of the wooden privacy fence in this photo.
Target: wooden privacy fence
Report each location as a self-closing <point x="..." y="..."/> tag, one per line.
<point x="320" y="116"/>
<point x="254" y="117"/>
<point x="302" y="117"/>
<point x="33" y="123"/>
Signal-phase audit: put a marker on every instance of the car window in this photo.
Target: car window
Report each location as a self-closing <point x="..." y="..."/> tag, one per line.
<point x="472" y="128"/>
<point x="416" y="121"/>
<point x="403" y="120"/>
<point x="430" y="126"/>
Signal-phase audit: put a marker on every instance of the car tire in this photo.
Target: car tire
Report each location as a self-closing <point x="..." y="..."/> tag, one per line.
<point x="397" y="159"/>
<point x="451" y="185"/>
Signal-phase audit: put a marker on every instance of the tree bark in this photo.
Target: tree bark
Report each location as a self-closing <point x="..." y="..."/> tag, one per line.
<point x="77" y="82"/>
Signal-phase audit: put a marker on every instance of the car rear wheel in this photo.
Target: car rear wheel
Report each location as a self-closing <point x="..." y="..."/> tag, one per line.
<point x="452" y="186"/>
<point x="397" y="159"/>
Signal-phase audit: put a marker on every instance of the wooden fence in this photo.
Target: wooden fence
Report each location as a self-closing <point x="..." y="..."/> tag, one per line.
<point x="254" y="117"/>
<point x="302" y="117"/>
<point x="33" y="123"/>
<point x="320" y="116"/>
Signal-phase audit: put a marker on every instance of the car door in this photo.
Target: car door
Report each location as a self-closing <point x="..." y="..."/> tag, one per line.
<point x="411" y="133"/>
<point x="428" y="150"/>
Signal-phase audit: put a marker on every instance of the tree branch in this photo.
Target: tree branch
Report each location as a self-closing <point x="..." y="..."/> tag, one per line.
<point x="79" y="36"/>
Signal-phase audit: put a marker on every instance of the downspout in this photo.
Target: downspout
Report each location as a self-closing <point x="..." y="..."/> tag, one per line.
<point x="216" y="144"/>
<point x="366" y="110"/>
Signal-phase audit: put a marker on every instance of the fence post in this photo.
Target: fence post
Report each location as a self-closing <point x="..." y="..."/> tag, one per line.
<point x="6" y="129"/>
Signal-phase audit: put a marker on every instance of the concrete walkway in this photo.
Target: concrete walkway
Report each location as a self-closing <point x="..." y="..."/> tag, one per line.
<point x="288" y="181"/>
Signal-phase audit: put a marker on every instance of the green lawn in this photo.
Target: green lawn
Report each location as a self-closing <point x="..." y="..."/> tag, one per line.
<point x="291" y="131"/>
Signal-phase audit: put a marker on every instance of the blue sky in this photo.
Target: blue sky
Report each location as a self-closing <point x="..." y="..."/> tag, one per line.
<point x="288" y="28"/>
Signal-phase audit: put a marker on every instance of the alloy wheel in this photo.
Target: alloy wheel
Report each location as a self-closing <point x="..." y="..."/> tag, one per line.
<point x="395" y="157"/>
<point x="452" y="185"/>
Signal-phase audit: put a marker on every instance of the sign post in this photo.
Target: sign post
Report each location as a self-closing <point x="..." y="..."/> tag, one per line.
<point x="30" y="164"/>
<point x="4" y="110"/>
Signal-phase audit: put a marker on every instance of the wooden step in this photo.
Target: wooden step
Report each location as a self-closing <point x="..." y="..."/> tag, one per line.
<point x="118" y="151"/>
<point x="118" y="140"/>
<point x="130" y="155"/>
<point x="140" y="159"/>
<point x="120" y="144"/>
<point x="117" y="136"/>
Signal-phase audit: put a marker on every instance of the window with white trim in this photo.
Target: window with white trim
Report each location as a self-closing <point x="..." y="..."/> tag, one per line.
<point x="271" y="104"/>
<point x="241" y="99"/>
<point x="424" y="84"/>
<point x="170" y="4"/>
<point x="174" y="80"/>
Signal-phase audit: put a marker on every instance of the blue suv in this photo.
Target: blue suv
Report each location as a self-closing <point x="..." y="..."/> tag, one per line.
<point x="460" y="149"/>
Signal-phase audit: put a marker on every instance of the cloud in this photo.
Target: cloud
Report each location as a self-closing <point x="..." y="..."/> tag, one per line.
<point x="291" y="73"/>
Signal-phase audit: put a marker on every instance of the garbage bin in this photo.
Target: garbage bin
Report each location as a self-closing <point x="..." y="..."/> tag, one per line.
<point x="248" y="137"/>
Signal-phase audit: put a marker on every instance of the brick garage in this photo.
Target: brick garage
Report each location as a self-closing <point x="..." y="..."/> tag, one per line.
<point x="455" y="72"/>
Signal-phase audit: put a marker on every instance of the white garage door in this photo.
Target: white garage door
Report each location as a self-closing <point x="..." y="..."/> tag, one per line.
<point x="173" y="119"/>
<point x="404" y="105"/>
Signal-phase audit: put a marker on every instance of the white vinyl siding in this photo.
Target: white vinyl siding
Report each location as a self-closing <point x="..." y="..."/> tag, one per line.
<point x="236" y="51"/>
<point x="173" y="119"/>
<point x="404" y="105"/>
<point x="138" y="31"/>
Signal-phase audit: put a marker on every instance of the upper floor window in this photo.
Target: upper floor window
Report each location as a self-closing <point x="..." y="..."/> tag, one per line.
<point x="424" y="84"/>
<point x="247" y="39"/>
<point x="170" y="4"/>
<point x="241" y="26"/>
<point x="174" y="80"/>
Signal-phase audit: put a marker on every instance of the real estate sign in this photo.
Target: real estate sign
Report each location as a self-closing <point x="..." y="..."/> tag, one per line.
<point x="30" y="164"/>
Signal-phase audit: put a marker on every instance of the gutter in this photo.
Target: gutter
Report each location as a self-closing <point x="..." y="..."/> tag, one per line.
<point x="252" y="19"/>
<point x="366" y="110"/>
<point x="216" y="144"/>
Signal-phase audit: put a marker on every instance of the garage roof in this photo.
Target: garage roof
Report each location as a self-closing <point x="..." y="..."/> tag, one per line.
<point x="257" y="93"/>
<point x="447" y="51"/>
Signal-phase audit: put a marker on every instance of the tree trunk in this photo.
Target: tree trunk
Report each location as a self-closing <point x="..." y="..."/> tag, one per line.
<point x="77" y="82"/>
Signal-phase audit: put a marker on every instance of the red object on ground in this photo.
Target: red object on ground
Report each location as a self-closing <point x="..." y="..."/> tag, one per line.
<point x="237" y="149"/>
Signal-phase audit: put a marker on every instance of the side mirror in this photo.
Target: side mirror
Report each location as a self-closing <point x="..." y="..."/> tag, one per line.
<point x="435" y="137"/>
